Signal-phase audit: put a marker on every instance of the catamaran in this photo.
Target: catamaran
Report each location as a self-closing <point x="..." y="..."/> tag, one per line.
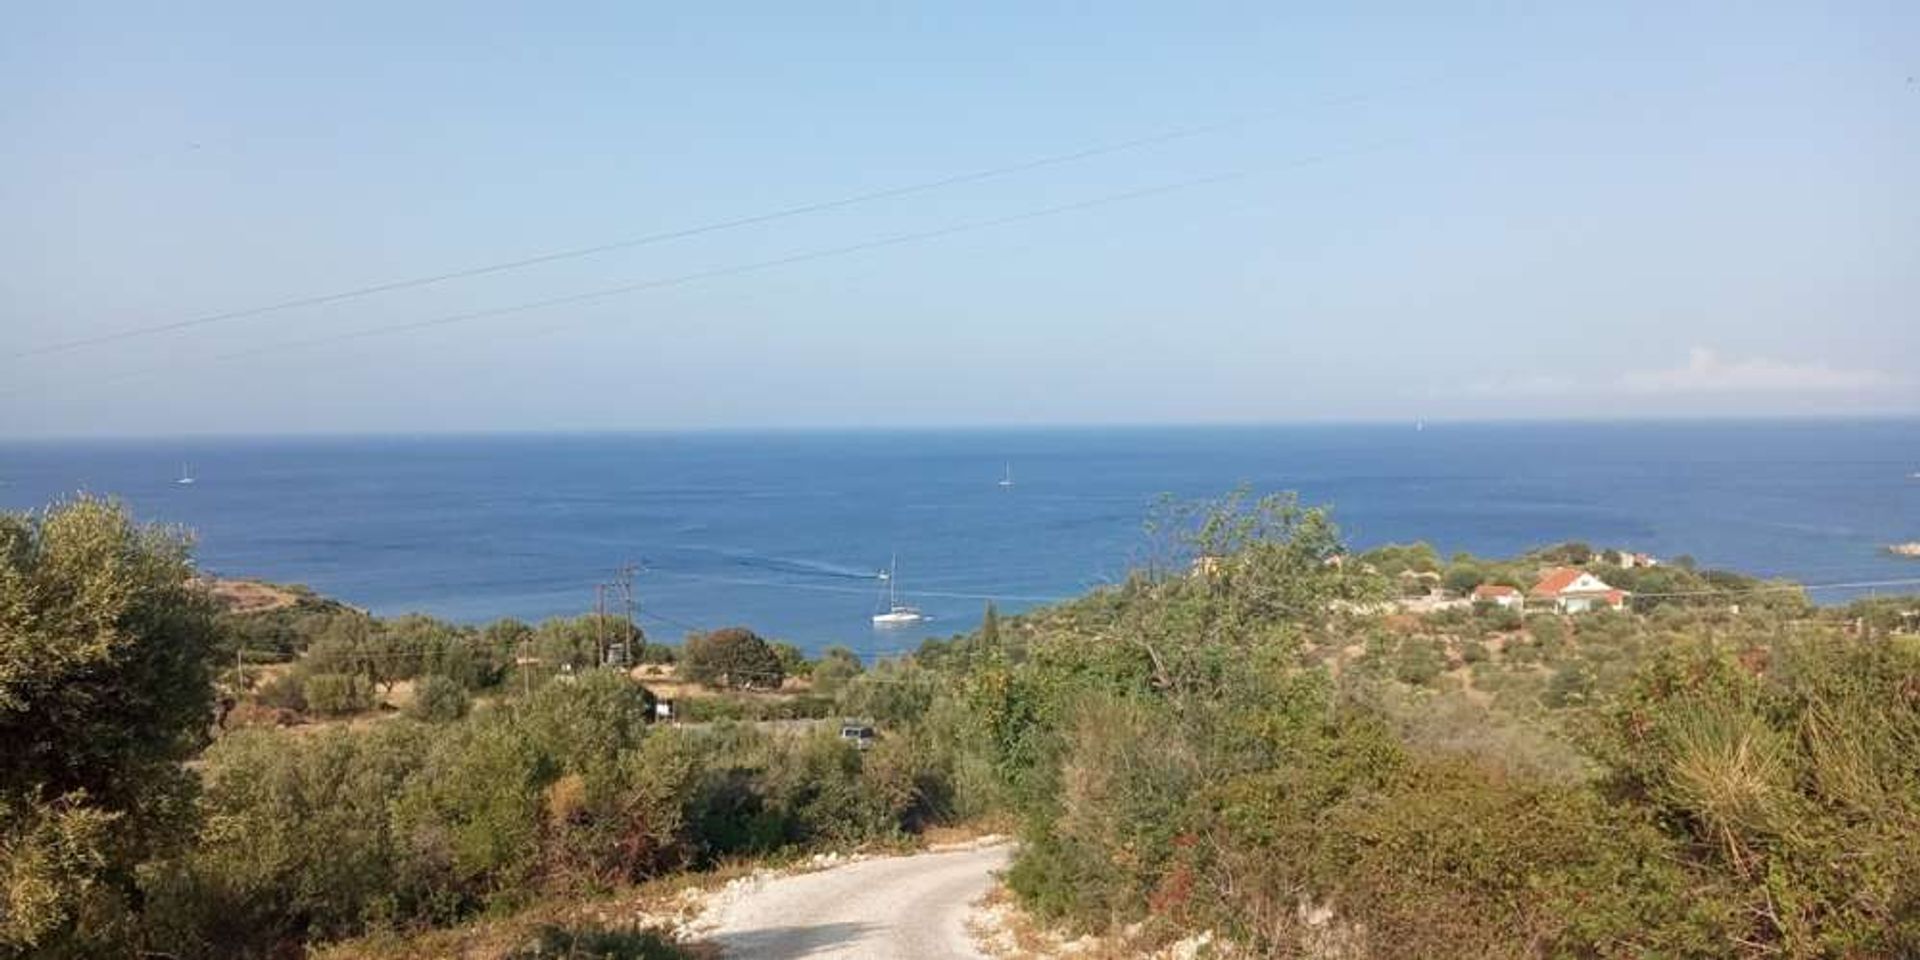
<point x="898" y="614"/>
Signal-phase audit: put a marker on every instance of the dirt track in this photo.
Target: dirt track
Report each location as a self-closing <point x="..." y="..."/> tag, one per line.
<point x="904" y="907"/>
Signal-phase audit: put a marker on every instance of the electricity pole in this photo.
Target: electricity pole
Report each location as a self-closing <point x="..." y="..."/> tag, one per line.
<point x="623" y="581"/>
<point x="600" y="624"/>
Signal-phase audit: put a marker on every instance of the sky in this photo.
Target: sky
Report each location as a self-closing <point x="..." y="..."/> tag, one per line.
<point x="1165" y="213"/>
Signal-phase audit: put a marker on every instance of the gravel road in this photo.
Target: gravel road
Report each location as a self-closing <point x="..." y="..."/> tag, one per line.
<point x="908" y="907"/>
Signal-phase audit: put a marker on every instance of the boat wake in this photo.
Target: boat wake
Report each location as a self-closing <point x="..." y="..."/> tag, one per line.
<point x="803" y="568"/>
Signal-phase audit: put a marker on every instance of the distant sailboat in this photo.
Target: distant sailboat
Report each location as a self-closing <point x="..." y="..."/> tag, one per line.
<point x="1006" y="480"/>
<point x="186" y="476"/>
<point x="897" y="614"/>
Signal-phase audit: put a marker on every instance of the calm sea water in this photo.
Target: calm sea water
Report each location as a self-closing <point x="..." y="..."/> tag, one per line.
<point x="784" y="531"/>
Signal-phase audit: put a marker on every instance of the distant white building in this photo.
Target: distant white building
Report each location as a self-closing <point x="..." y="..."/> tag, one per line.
<point x="1500" y="595"/>
<point x="1572" y="590"/>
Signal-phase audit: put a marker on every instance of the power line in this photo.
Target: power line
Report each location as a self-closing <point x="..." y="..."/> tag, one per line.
<point x="574" y="253"/>
<point x="1783" y="588"/>
<point x="759" y="265"/>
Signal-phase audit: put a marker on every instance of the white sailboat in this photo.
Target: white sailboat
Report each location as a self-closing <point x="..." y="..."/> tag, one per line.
<point x="186" y="477"/>
<point x="897" y="614"/>
<point x="1006" y="480"/>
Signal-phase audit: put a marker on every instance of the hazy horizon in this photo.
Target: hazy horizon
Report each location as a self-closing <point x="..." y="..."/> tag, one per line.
<point x="1220" y="217"/>
<point x="1439" y="423"/>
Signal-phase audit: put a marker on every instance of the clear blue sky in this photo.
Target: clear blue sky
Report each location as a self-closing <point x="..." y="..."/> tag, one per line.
<point x="1650" y="209"/>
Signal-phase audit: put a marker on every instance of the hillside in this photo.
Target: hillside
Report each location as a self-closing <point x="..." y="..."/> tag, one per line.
<point x="1274" y="750"/>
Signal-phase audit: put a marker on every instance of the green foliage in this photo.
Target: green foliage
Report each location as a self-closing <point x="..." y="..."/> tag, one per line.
<point x="731" y="657"/>
<point x="1230" y="739"/>
<point x="1546" y="628"/>
<point x="284" y="692"/>
<point x="1175" y="757"/>
<point x="1571" y="553"/>
<point x="438" y="699"/>
<point x="1462" y="578"/>
<point x="585" y="721"/>
<point x="578" y="643"/>
<point x="594" y="943"/>
<point x="1419" y="662"/>
<point x="1394" y="559"/>
<point x="55" y="854"/>
<point x="324" y="836"/>
<point x="990" y="625"/>
<point x="104" y="689"/>
<point x="471" y="818"/>
<point x="280" y="634"/>
<point x="1497" y="619"/>
<point x="837" y="666"/>
<point x="337" y="694"/>
<point x="753" y="708"/>
<point x="298" y="841"/>
<point x="793" y="663"/>
<point x="1797" y="787"/>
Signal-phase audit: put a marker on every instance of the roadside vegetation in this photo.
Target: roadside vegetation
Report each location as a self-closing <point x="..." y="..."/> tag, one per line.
<point x="1244" y="737"/>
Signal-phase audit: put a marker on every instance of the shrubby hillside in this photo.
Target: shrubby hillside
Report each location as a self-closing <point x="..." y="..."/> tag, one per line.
<point x="1246" y="736"/>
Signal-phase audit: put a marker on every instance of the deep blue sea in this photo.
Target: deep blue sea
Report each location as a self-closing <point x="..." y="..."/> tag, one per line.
<point x="783" y="532"/>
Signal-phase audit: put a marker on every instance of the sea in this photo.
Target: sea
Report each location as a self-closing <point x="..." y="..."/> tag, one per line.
<point x="787" y="532"/>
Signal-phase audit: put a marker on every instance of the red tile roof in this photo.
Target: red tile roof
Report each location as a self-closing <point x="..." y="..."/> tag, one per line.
<point x="1556" y="580"/>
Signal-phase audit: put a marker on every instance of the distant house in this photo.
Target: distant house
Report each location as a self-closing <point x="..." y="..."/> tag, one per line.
<point x="1631" y="560"/>
<point x="1500" y="595"/>
<point x="1573" y="590"/>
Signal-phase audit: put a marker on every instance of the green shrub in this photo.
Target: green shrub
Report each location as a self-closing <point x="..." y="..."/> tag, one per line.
<point x="469" y="823"/>
<point x="1419" y="661"/>
<point x="438" y="699"/>
<point x="1455" y="859"/>
<point x="623" y="821"/>
<point x="1546" y="629"/>
<point x="104" y="691"/>
<point x="1795" y="785"/>
<point x="283" y="692"/>
<point x="1570" y="685"/>
<point x="731" y="657"/>
<point x="1497" y="619"/>
<point x="296" y="843"/>
<point x="752" y="707"/>
<point x="596" y="943"/>
<point x="337" y="694"/>
<point x="585" y="721"/>
<point x="837" y="666"/>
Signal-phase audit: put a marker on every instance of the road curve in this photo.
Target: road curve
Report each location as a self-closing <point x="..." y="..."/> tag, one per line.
<point x="906" y="907"/>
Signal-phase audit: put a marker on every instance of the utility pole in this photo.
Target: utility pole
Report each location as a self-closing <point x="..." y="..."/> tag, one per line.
<point x="600" y="624"/>
<point x="623" y="581"/>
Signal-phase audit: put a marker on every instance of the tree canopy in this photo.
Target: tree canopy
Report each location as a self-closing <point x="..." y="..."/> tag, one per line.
<point x="104" y="689"/>
<point x="731" y="657"/>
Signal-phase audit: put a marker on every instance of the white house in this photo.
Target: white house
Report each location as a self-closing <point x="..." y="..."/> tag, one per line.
<point x="1572" y="590"/>
<point x="1500" y="595"/>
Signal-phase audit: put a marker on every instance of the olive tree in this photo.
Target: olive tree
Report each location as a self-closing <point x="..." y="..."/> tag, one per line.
<point x="104" y="689"/>
<point x="731" y="657"/>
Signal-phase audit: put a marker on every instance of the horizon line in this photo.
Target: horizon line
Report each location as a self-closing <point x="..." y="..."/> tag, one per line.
<point x="1413" y="424"/>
